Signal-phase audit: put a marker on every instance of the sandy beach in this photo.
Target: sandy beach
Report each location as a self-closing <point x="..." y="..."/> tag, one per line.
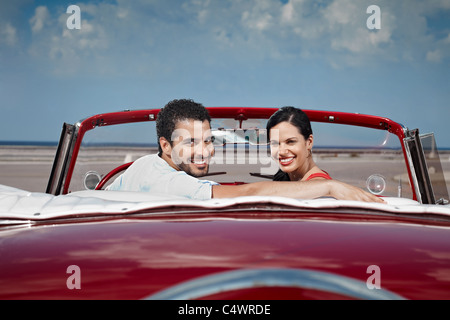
<point x="26" y="167"/>
<point x="29" y="167"/>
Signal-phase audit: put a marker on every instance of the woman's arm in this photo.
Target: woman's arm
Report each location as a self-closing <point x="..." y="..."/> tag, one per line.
<point x="296" y="189"/>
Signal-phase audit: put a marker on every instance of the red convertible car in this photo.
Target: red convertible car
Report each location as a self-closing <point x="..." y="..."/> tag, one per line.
<point x="80" y="241"/>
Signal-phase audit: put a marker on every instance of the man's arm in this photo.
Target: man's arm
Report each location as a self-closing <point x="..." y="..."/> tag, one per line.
<point x="296" y="189"/>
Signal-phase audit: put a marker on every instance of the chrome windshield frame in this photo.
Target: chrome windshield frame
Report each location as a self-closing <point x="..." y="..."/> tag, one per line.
<point x="63" y="158"/>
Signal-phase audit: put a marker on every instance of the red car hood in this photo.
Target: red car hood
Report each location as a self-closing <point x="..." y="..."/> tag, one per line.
<point x="135" y="249"/>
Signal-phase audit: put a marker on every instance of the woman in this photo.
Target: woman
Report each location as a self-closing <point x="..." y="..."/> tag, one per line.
<point x="291" y="140"/>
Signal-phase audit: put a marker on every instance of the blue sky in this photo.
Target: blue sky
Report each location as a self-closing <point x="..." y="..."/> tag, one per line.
<point x="269" y="53"/>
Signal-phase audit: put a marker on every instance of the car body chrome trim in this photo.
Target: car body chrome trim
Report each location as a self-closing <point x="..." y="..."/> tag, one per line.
<point x="277" y="277"/>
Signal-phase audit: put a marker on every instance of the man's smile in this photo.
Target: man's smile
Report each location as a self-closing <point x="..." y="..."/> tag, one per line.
<point x="200" y="163"/>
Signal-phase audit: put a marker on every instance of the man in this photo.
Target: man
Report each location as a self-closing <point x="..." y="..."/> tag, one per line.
<point x="185" y="150"/>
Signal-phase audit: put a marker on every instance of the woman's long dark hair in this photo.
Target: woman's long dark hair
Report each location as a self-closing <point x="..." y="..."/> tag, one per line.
<point x="297" y="118"/>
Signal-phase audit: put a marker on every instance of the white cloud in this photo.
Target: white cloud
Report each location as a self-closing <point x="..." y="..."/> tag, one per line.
<point x="258" y="22"/>
<point x="342" y="12"/>
<point x="287" y="13"/>
<point x="149" y="34"/>
<point x="346" y="29"/>
<point x="40" y="19"/>
<point x="447" y="40"/>
<point x="260" y="16"/>
<point x="9" y="28"/>
<point x="434" y="56"/>
<point x="8" y="34"/>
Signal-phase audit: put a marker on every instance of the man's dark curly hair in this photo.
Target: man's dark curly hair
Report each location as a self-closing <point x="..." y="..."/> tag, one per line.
<point x="178" y="110"/>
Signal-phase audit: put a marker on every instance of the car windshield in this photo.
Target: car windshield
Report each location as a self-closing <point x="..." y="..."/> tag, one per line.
<point x="359" y="156"/>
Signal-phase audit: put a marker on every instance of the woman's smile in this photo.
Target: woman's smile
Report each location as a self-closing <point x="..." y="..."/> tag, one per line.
<point x="285" y="161"/>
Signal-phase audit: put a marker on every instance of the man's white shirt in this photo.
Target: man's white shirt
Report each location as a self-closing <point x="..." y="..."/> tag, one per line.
<point x="153" y="174"/>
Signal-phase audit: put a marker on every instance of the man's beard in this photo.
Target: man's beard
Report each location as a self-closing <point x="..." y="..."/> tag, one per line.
<point x="194" y="172"/>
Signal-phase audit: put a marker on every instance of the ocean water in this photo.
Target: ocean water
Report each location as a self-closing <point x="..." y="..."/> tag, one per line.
<point x="29" y="143"/>
<point x="55" y="144"/>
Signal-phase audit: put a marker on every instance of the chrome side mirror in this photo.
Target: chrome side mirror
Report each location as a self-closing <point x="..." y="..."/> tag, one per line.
<point x="91" y="179"/>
